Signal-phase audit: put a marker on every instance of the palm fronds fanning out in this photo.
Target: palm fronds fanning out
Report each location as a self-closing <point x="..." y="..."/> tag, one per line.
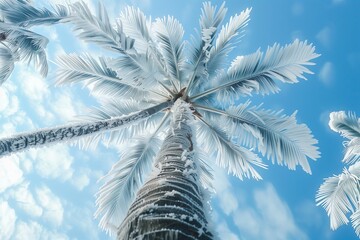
<point x="17" y="16"/>
<point x="340" y="194"/>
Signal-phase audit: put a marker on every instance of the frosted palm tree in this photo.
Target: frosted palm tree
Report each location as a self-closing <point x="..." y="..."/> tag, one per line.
<point x="340" y="194"/>
<point x="17" y="42"/>
<point x="182" y="110"/>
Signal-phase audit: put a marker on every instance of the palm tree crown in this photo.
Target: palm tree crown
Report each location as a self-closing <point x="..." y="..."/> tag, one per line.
<point x="340" y="194"/>
<point x="153" y="71"/>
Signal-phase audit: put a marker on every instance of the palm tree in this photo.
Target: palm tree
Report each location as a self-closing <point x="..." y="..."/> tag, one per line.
<point x="183" y="112"/>
<point x="340" y="194"/>
<point x="17" y="42"/>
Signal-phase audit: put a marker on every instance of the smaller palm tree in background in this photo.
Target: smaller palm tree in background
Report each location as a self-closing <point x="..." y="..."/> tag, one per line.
<point x="340" y="194"/>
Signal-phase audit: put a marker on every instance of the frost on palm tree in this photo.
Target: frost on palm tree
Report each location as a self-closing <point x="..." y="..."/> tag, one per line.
<point x="183" y="111"/>
<point x="340" y="194"/>
<point x="17" y="42"/>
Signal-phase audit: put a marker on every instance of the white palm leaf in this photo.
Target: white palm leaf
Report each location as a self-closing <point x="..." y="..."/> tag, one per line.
<point x="348" y="125"/>
<point x="352" y="151"/>
<point x="98" y="29"/>
<point x="339" y="195"/>
<point x="237" y="160"/>
<point x="355" y="220"/>
<point x="204" y="169"/>
<point x="258" y="72"/>
<point x="6" y="62"/>
<point x="227" y="34"/>
<point x="210" y="19"/>
<point x="21" y="13"/>
<point x="112" y="109"/>
<point x="168" y="33"/>
<point x="138" y="70"/>
<point x="277" y="136"/>
<point x="137" y="26"/>
<point x="29" y="46"/>
<point x="96" y="73"/>
<point x="126" y="177"/>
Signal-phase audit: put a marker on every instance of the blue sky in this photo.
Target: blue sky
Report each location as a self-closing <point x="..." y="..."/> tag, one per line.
<point x="49" y="193"/>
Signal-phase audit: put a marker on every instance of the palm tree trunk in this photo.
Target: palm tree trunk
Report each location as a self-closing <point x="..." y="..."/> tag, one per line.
<point x="170" y="205"/>
<point x="44" y="137"/>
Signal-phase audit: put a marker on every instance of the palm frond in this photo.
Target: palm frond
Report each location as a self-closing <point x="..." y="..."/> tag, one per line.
<point x="137" y="26"/>
<point x="210" y="19"/>
<point x="258" y="72"/>
<point x="6" y="62"/>
<point x="21" y="13"/>
<point x="348" y="125"/>
<point x="228" y="33"/>
<point x="352" y="151"/>
<point x="204" y="169"/>
<point x="278" y="137"/>
<point x="238" y="160"/>
<point x="138" y="71"/>
<point x="98" y="29"/>
<point x="355" y="220"/>
<point x="29" y="46"/>
<point x="339" y="195"/>
<point x="94" y="73"/>
<point x="169" y="34"/>
<point x="126" y="177"/>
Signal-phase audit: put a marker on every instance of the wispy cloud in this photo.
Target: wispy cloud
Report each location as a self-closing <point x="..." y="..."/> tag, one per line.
<point x="33" y="230"/>
<point x="53" y="210"/>
<point x="324" y="36"/>
<point x="225" y="233"/>
<point x="269" y="218"/>
<point x="327" y="72"/>
<point x="297" y="9"/>
<point x="10" y="173"/>
<point x="26" y="201"/>
<point x="7" y="220"/>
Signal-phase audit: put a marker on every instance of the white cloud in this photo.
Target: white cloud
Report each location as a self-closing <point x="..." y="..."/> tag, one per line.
<point x="297" y="9"/>
<point x="10" y="173"/>
<point x="7" y="220"/>
<point x="34" y="86"/>
<point x="269" y="219"/>
<point x="81" y="179"/>
<point x="63" y="106"/>
<point x="225" y="233"/>
<point x="33" y="230"/>
<point x="326" y="74"/>
<point x="4" y="99"/>
<point x="324" y="36"/>
<point x="53" y="210"/>
<point x="53" y="162"/>
<point x="228" y="202"/>
<point x="25" y="200"/>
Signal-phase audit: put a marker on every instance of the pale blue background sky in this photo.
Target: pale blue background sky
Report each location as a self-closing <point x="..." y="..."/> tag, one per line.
<point x="48" y="193"/>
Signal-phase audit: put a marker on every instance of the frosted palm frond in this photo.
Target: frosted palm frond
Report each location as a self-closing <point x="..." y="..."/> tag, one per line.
<point x="355" y="220"/>
<point x="96" y="73"/>
<point x="258" y="72"/>
<point x="137" y="26"/>
<point x="339" y="195"/>
<point x="352" y="151"/>
<point x="138" y="71"/>
<point x="29" y="46"/>
<point x="169" y="34"/>
<point x="112" y="109"/>
<point x="124" y="179"/>
<point x="228" y="33"/>
<point x="238" y="160"/>
<point x="277" y="136"/>
<point x="205" y="170"/>
<point x="6" y="62"/>
<point x="348" y="125"/>
<point x="98" y="29"/>
<point x="21" y="13"/>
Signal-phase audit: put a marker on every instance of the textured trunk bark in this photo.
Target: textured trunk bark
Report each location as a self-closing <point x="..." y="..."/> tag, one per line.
<point x="43" y="137"/>
<point x="170" y="205"/>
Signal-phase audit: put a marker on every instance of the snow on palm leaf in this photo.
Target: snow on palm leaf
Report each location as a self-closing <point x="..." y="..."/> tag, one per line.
<point x="175" y="85"/>
<point x="340" y="194"/>
<point x="17" y="17"/>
